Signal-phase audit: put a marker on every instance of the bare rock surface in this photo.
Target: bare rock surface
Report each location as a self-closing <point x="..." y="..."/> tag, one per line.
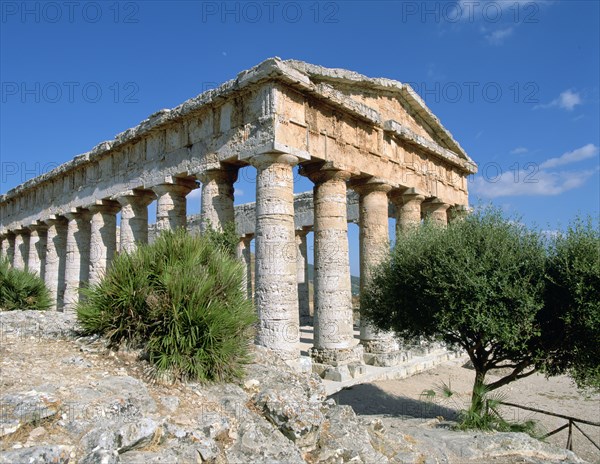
<point x="69" y="399"/>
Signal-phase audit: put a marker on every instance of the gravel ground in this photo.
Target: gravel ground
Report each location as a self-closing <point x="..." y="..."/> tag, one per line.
<point x="404" y="398"/>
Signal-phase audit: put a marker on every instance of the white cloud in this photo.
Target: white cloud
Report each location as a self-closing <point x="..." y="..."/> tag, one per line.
<point x="519" y="151"/>
<point x="567" y="100"/>
<point x="587" y="151"/>
<point x="499" y="35"/>
<point x="529" y="183"/>
<point x="535" y="179"/>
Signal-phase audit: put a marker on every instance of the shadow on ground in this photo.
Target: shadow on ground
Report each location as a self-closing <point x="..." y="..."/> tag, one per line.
<point x="367" y="399"/>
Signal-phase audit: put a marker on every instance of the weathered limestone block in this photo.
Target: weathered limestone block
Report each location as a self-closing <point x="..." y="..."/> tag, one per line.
<point x="333" y="320"/>
<point x="171" y="205"/>
<point x="103" y="238"/>
<point x="134" y="218"/>
<point x="408" y="209"/>
<point x="21" y="253"/>
<point x="77" y="265"/>
<point x="217" y="197"/>
<point x="381" y="348"/>
<point x="56" y="243"/>
<point x="437" y="211"/>
<point x="37" y="249"/>
<point x="244" y="254"/>
<point x="276" y="294"/>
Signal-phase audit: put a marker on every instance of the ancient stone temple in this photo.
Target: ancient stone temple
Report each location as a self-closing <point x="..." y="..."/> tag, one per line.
<point x="370" y="146"/>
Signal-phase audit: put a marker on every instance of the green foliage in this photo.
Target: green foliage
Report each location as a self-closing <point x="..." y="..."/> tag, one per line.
<point x="226" y="239"/>
<point x="181" y="298"/>
<point x="489" y="417"/>
<point x="498" y="290"/>
<point x="21" y="289"/>
<point x="477" y="283"/>
<point x="571" y="316"/>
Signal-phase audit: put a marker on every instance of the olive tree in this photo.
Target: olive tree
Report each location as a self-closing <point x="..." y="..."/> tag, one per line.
<point x="477" y="283"/>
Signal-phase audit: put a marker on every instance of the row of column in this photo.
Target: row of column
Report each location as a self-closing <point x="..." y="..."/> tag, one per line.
<point x="72" y="249"/>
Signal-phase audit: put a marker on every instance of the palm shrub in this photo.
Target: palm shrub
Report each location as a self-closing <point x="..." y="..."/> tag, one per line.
<point x="181" y="299"/>
<point x="21" y="289"/>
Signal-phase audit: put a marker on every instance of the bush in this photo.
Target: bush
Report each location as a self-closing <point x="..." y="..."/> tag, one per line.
<point x="21" y="289"/>
<point x="181" y="299"/>
<point x="477" y="283"/>
<point x="571" y="316"/>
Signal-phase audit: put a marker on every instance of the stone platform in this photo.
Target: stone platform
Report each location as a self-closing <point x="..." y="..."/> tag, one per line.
<point x="417" y="360"/>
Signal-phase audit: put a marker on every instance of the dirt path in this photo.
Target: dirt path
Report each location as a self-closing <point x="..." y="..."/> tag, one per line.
<point x="405" y="398"/>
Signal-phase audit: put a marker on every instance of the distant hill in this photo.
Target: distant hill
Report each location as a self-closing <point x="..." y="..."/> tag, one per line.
<point x="354" y="280"/>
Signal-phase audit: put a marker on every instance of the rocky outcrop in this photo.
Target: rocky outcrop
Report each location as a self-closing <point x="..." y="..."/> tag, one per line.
<point x="68" y="399"/>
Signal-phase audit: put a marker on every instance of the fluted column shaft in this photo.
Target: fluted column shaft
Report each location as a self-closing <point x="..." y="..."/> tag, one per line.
<point x="134" y="218"/>
<point x="333" y="324"/>
<point x="374" y="247"/>
<point x="276" y="293"/>
<point x="77" y="267"/>
<point x="21" y="254"/>
<point x="437" y="212"/>
<point x="171" y="205"/>
<point x="216" y="207"/>
<point x="408" y="210"/>
<point x="302" y="276"/>
<point x="244" y="254"/>
<point x="103" y="238"/>
<point x="37" y="250"/>
<point x="56" y="244"/>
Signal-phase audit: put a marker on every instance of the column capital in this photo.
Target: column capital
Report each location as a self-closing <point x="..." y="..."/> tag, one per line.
<point x="266" y="159"/>
<point x="105" y="206"/>
<point x="175" y="185"/>
<point x="373" y="184"/>
<point x="77" y="214"/>
<point x="55" y="219"/>
<point x="458" y="212"/>
<point x="21" y="229"/>
<point x="137" y="197"/>
<point x="403" y="196"/>
<point x="436" y="205"/>
<point x="226" y="174"/>
<point x="323" y="171"/>
<point x="38" y="226"/>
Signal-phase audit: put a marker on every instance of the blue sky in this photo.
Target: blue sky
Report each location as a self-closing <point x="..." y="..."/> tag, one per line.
<point x="515" y="82"/>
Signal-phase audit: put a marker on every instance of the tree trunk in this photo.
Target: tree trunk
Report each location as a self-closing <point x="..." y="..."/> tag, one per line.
<point x="477" y="397"/>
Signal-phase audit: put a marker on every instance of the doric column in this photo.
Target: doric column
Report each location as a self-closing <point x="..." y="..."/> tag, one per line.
<point x="217" y="197"/>
<point x="77" y="268"/>
<point x="302" y="276"/>
<point x="21" y="255"/>
<point x="276" y="294"/>
<point x="103" y="238"/>
<point x="458" y="212"/>
<point x="8" y="246"/>
<point x="408" y="209"/>
<point x="171" y="204"/>
<point x="381" y="348"/>
<point x="56" y="245"/>
<point x="333" y="320"/>
<point x="244" y="254"/>
<point x="37" y="249"/>
<point x="134" y="218"/>
<point x="437" y="211"/>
